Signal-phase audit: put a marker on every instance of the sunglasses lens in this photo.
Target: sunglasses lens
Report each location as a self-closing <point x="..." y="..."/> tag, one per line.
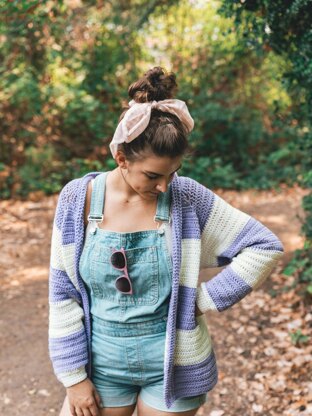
<point x="123" y="285"/>
<point x="118" y="260"/>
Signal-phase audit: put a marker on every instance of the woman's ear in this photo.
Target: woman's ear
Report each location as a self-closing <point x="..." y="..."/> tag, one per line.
<point x="121" y="159"/>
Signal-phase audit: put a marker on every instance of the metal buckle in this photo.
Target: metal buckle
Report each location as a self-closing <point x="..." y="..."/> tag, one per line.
<point x="156" y="222"/>
<point x="168" y="222"/>
<point x="96" y="219"/>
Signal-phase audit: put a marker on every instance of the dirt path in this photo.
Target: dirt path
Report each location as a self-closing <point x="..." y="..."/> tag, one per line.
<point x="261" y="371"/>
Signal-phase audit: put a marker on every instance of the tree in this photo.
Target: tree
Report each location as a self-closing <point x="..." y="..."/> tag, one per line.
<point x="286" y="28"/>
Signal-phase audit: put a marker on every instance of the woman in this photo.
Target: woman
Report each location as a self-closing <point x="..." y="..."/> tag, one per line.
<point x="127" y="248"/>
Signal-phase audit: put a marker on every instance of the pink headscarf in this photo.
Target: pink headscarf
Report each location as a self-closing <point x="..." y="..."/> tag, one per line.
<point x="138" y="116"/>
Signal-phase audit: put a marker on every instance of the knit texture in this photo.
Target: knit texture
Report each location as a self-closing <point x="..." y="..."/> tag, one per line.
<point x="206" y="232"/>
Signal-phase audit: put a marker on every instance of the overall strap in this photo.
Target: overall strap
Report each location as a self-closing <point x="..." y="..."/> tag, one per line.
<point x="97" y="198"/>
<point x="163" y="207"/>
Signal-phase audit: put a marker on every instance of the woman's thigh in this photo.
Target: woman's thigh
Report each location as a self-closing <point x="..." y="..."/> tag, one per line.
<point x="118" y="411"/>
<point x="106" y="411"/>
<point x="144" y="410"/>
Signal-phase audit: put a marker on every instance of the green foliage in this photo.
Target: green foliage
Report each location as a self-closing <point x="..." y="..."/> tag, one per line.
<point x="65" y="70"/>
<point x="300" y="266"/>
<point x="298" y="338"/>
<point x="42" y="172"/>
<point x="240" y="107"/>
<point x="286" y="29"/>
<point x="307" y="206"/>
<point x="210" y="171"/>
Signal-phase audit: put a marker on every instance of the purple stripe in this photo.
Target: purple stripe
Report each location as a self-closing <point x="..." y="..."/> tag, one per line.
<point x="201" y="198"/>
<point x="227" y="288"/>
<point x="67" y="211"/>
<point x="68" y="236"/>
<point x="189" y="230"/>
<point x="172" y="313"/>
<point x="70" y="352"/>
<point x="61" y="287"/>
<point x="58" y="219"/>
<point x="254" y="235"/>
<point x="186" y="308"/>
<point x="205" y="380"/>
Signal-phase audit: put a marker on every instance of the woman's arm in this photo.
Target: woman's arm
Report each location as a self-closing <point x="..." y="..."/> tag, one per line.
<point x="67" y="338"/>
<point x="234" y="238"/>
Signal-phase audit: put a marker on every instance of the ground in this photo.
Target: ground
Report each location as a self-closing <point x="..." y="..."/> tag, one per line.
<point x="261" y="371"/>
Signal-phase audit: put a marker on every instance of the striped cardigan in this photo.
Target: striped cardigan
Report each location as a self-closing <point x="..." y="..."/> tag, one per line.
<point x="206" y="232"/>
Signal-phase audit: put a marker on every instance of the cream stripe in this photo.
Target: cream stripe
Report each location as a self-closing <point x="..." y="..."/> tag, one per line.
<point x="255" y="265"/>
<point x="193" y="346"/>
<point x="190" y="262"/>
<point x="65" y="318"/>
<point x="56" y="249"/>
<point x="72" y="377"/>
<point x="69" y="261"/>
<point x="203" y="299"/>
<point x="223" y="226"/>
<point x="63" y="256"/>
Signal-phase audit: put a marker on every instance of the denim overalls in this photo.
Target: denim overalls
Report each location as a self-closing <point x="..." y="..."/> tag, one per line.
<point x="128" y="331"/>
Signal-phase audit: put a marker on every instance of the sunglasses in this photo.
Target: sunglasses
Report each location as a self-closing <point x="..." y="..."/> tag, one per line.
<point x="118" y="261"/>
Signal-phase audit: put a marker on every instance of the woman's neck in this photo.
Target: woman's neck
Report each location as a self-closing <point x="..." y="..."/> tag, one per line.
<point x="124" y="192"/>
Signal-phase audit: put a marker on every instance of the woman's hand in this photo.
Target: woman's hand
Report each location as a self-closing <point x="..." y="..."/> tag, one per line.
<point x="83" y="399"/>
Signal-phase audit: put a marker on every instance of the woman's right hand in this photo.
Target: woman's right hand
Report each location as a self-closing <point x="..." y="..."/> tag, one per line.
<point x="83" y="399"/>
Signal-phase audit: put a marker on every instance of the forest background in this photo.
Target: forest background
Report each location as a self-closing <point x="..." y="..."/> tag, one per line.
<point x="243" y="67"/>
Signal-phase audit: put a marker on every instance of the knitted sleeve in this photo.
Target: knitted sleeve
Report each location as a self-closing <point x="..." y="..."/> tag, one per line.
<point x="233" y="238"/>
<point x="67" y="338"/>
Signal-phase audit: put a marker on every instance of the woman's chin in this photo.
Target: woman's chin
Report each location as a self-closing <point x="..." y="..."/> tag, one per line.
<point x="153" y="194"/>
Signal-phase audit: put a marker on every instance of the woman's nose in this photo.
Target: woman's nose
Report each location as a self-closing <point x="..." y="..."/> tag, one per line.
<point x="162" y="186"/>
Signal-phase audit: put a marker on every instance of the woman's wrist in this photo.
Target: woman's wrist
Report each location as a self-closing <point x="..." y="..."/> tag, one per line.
<point x="76" y="384"/>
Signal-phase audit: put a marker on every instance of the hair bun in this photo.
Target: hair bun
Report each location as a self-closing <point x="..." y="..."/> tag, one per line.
<point x="156" y="84"/>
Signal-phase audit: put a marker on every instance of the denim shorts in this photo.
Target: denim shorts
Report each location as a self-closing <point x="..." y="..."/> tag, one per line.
<point x="128" y="360"/>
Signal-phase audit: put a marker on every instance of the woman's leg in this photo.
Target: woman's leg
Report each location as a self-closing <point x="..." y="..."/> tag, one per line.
<point x="118" y="411"/>
<point x="145" y="410"/>
<point x="105" y="411"/>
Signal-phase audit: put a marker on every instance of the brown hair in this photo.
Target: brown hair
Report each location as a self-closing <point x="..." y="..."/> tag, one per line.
<point x="165" y="134"/>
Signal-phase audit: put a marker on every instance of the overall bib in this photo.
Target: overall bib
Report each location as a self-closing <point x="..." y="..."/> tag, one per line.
<point x="129" y="330"/>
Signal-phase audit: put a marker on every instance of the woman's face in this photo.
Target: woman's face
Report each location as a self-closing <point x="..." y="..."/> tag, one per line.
<point x="151" y="175"/>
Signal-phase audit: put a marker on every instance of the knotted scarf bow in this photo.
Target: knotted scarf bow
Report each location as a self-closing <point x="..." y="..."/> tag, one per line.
<point x="138" y="116"/>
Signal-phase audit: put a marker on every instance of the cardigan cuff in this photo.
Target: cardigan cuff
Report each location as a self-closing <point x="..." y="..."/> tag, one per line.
<point x="72" y="377"/>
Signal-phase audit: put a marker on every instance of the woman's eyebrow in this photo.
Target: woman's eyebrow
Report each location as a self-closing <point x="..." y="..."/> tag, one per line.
<point x="159" y="174"/>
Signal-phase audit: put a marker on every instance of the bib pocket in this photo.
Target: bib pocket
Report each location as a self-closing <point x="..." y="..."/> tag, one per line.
<point x="142" y="264"/>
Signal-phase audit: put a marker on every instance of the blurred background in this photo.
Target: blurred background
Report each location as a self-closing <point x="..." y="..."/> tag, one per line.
<point x="244" y="67"/>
